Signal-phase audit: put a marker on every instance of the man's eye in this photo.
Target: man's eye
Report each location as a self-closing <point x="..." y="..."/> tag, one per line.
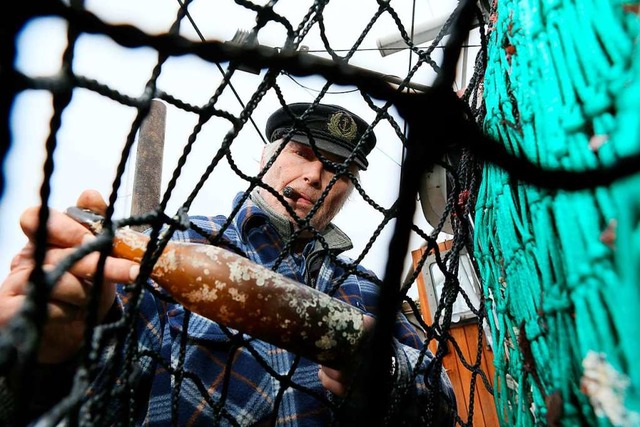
<point x="330" y="167"/>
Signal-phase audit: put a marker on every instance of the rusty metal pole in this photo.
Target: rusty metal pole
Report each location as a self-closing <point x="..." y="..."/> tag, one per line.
<point x="148" y="168"/>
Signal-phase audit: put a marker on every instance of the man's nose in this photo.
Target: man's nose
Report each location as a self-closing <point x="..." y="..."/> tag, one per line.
<point x="313" y="172"/>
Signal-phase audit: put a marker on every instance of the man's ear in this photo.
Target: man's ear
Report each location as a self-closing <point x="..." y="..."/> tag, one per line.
<point x="262" y="158"/>
<point x="268" y="150"/>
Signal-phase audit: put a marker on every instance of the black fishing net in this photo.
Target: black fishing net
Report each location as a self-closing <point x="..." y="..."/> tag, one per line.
<point x="428" y="122"/>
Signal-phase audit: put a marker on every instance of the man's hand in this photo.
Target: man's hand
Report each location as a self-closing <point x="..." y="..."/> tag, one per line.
<point x="338" y="381"/>
<point x="63" y="332"/>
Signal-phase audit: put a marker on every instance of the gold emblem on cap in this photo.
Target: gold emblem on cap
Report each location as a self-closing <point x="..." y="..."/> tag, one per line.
<point x="342" y="125"/>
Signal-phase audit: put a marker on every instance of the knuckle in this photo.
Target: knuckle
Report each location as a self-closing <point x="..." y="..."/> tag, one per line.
<point x="29" y="219"/>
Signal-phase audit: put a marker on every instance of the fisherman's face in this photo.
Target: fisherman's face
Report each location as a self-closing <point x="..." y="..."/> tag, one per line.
<point x="298" y="167"/>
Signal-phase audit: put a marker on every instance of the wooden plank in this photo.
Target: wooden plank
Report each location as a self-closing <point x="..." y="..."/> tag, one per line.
<point x="450" y="361"/>
<point x="459" y="335"/>
<point x="466" y="336"/>
<point x="454" y="369"/>
<point x="488" y="402"/>
<point x="471" y="336"/>
<point x="148" y="168"/>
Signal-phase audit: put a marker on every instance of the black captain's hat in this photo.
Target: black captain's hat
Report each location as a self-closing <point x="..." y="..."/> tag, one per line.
<point x="334" y="129"/>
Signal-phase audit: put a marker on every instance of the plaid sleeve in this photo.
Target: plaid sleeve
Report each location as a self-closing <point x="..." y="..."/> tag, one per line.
<point x="425" y="393"/>
<point x="404" y="331"/>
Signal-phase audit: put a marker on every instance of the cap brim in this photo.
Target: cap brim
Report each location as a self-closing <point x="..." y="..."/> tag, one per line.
<point x="330" y="147"/>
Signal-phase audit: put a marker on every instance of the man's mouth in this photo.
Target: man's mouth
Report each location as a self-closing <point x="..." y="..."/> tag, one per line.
<point x="290" y="193"/>
<point x="296" y="196"/>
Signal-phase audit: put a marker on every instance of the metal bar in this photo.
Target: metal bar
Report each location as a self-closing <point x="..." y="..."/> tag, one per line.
<point x="148" y="168"/>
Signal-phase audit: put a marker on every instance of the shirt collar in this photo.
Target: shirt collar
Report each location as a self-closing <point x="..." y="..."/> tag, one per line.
<point x="255" y="211"/>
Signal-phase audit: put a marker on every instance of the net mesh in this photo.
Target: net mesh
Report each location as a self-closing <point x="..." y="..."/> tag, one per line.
<point x="556" y="234"/>
<point x="103" y="388"/>
<point x="560" y="262"/>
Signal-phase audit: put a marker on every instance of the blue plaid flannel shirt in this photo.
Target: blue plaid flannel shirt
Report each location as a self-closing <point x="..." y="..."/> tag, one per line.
<point x="226" y="383"/>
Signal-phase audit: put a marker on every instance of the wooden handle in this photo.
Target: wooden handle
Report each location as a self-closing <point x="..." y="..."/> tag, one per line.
<point x="236" y="292"/>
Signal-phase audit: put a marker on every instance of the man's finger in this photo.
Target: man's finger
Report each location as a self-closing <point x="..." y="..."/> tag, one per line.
<point x="332" y="381"/>
<point x="12" y="293"/>
<point x="116" y="270"/>
<point x="62" y="231"/>
<point x="24" y="257"/>
<point x="92" y="200"/>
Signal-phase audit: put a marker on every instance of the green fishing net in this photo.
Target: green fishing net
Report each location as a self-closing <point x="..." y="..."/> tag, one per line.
<point x="561" y="268"/>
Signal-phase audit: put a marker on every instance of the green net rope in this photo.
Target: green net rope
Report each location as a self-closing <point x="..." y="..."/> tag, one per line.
<point x="561" y="269"/>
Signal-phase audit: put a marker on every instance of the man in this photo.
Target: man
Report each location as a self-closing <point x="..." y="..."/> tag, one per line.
<point x="192" y="371"/>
